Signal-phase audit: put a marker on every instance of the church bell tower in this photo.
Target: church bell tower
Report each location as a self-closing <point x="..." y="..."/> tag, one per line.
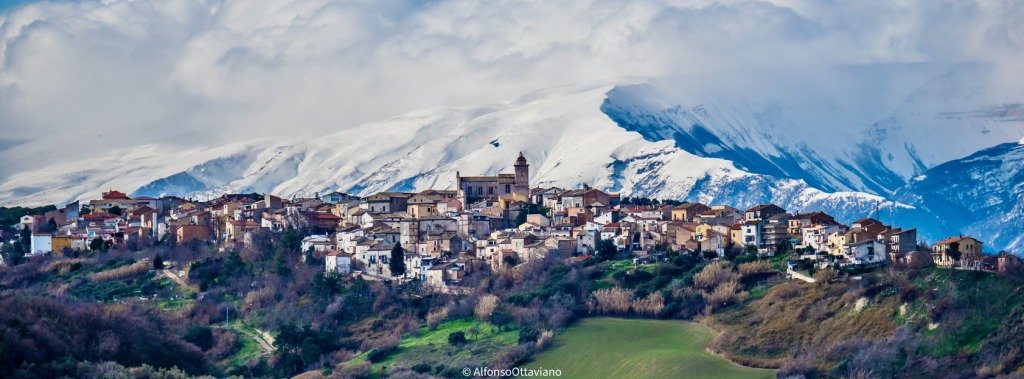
<point x="522" y="185"/>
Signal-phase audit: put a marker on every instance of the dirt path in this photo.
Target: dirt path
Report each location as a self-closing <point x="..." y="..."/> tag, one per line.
<point x="176" y="278"/>
<point x="265" y="340"/>
<point x="262" y="337"/>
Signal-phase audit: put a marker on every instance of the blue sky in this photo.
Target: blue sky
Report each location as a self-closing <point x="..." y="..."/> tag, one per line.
<point x="6" y="5"/>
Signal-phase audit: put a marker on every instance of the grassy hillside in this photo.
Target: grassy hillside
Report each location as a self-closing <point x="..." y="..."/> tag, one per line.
<point x="429" y="350"/>
<point x="893" y="322"/>
<point x="612" y="347"/>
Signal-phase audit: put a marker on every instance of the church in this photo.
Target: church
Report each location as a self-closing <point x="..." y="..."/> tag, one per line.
<point x="476" y="188"/>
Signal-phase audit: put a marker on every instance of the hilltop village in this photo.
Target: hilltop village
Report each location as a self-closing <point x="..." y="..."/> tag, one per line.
<point x="487" y="222"/>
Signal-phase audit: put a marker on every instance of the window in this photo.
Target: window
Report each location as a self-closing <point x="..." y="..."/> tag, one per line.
<point x="490" y="190"/>
<point x="508" y="188"/>
<point x="479" y="190"/>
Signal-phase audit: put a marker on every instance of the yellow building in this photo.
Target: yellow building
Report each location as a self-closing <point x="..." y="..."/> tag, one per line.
<point x="421" y="209"/>
<point x="688" y="211"/>
<point x="836" y="243"/>
<point x="736" y="234"/>
<point x="969" y="248"/>
<point x="59" y="243"/>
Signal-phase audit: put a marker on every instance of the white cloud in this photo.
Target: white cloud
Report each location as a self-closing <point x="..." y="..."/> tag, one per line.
<point x="99" y="74"/>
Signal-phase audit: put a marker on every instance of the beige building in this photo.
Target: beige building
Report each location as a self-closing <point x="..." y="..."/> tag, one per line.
<point x="970" y="251"/>
<point x="475" y="188"/>
<point x="688" y="211"/>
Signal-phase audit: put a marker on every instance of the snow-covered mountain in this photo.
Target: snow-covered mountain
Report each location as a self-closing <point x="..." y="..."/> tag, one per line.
<point x="942" y="118"/>
<point x="981" y="195"/>
<point x="618" y="136"/>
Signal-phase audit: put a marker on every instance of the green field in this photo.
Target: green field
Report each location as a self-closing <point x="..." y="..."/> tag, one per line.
<point x="625" y="348"/>
<point x="431" y="347"/>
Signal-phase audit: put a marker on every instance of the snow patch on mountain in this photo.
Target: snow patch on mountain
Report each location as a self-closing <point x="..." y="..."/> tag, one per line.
<point x="981" y="195"/>
<point x="618" y="137"/>
<point x="938" y="117"/>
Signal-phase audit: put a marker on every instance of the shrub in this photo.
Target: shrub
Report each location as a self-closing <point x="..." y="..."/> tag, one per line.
<point x="825" y="276"/>
<point x="651" y="306"/>
<point x="754" y="268"/>
<point x="712" y="275"/>
<point x="485" y="307"/>
<point x="723" y="294"/>
<point x="381" y="353"/>
<point x="436" y="317"/>
<point x="123" y="272"/>
<point x="528" y="334"/>
<point x="201" y="336"/>
<point x="613" y="300"/>
<point x="361" y="370"/>
<point x="225" y="344"/>
<point x="457" y="338"/>
<point x="514" y="356"/>
<point x="421" y="368"/>
<point x="544" y="338"/>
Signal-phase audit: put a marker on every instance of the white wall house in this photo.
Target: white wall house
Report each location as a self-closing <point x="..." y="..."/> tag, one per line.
<point x="41" y="243"/>
<point x="318" y="243"/>
<point x="751" y="233"/>
<point x="339" y="262"/>
<point x="866" y="252"/>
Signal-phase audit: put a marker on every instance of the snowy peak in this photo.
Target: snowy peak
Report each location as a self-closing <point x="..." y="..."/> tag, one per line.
<point x="981" y="194"/>
<point x="569" y="143"/>
<point x="628" y="138"/>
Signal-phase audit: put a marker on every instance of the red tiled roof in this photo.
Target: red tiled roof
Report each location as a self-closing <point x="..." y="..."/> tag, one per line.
<point x="115" y="194"/>
<point x="954" y="239"/>
<point x="141" y="210"/>
<point x="326" y="216"/>
<point x="99" y="216"/>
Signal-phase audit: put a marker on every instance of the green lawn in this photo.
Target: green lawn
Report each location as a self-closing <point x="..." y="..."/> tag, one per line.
<point x="431" y="346"/>
<point x="627" y="348"/>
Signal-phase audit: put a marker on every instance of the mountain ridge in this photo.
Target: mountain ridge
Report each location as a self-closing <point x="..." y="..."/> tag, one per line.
<point x="621" y="137"/>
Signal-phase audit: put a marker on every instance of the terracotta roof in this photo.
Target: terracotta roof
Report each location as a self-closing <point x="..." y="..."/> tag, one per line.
<point x="115" y="194"/>
<point x="99" y="216"/>
<point x="866" y="220"/>
<point x="579" y="192"/>
<point x="142" y="210"/>
<point x="954" y="239"/>
<point x="688" y="205"/>
<point x="761" y="207"/>
<point x="326" y="216"/>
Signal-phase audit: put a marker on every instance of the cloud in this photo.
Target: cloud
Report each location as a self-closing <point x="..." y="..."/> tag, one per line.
<point x="81" y="77"/>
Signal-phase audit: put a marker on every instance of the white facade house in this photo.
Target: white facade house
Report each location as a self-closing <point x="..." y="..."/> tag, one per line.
<point x="816" y="236"/>
<point x="752" y="233"/>
<point x="339" y="262"/>
<point x="318" y="243"/>
<point x="866" y="252"/>
<point x="41" y="243"/>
